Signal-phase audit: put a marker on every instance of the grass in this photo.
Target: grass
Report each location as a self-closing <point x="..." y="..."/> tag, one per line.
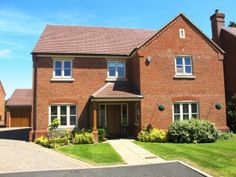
<point x="218" y="159"/>
<point x="96" y="154"/>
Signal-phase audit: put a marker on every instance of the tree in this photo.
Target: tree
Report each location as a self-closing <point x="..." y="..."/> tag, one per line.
<point x="231" y="113"/>
<point x="232" y="24"/>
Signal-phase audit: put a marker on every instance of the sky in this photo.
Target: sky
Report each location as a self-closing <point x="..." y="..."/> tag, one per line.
<point x="22" y="22"/>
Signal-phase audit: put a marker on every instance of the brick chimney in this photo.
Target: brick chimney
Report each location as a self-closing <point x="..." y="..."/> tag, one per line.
<point x="217" y="23"/>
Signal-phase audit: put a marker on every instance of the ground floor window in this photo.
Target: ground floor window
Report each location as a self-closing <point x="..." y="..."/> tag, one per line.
<point x="137" y="113"/>
<point x="185" y="110"/>
<point x="124" y="115"/>
<point x="67" y="114"/>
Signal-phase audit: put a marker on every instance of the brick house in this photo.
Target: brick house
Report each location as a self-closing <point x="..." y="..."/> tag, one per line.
<point x="124" y="79"/>
<point x="2" y="105"/>
<point x="225" y="37"/>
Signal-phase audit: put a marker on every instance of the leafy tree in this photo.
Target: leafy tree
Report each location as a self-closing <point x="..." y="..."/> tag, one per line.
<point x="232" y="24"/>
<point x="231" y="113"/>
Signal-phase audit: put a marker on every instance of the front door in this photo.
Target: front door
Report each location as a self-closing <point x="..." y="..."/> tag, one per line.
<point x="114" y="120"/>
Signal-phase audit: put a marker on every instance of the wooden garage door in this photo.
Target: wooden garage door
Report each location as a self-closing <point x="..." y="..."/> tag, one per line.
<point x="21" y="117"/>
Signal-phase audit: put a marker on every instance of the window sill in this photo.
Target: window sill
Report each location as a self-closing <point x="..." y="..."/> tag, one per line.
<point x="69" y="127"/>
<point x="62" y="79"/>
<point x="116" y="79"/>
<point x="184" y="77"/>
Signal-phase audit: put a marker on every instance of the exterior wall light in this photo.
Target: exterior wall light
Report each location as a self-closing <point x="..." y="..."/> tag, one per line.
<point x="148" y="59"/>
<point x="161" y="107"/>
<point x="218" y="106"/>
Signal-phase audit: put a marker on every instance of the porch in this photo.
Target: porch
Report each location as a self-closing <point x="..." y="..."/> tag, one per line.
<point x="116" y="108"/>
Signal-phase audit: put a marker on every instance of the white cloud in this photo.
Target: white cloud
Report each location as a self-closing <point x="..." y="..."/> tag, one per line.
<point x="5" y="53"/>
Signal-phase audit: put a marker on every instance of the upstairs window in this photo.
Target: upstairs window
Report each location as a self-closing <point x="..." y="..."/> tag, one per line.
<point x="116" y="69"/>
<point x="185" y="110"/>
<point x="62" y="69"/>
<point x="182" y="33"/>
<point x="183" y="65"/>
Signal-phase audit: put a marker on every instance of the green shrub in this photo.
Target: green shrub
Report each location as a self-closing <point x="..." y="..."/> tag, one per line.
<point x="43" y="141"/>
<point x="231" y="113"/>
<point x="225" y="135"/>
<point x="152" y="135"/>
<point x="192" y="131"/>
<point x="54" y="125"/>
<point x="83" y="137"/>
<point x="101" y="134"/>
<point x="58" y="141"/>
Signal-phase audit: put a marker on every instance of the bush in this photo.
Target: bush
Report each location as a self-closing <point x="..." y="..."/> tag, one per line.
<point x="192" y="131"/>
<point x="58" y="141"/>
<point x="231" y="113"/>
<point x="83" y="137"/>
<point x="54" y="125"/>
<point x="43" y="141"/>
<point x="225" y="135"/>
<point x="152" y="135"/>
<point x="101" y="134"/>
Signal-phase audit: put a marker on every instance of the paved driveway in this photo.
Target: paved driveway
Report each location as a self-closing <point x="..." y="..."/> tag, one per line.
<point x="24" y="156"/>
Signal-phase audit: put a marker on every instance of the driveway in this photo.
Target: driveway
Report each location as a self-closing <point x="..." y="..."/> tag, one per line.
<point x="173" y="169"/>
<point x="18" y="156"/>
<point x="15" y="133"/>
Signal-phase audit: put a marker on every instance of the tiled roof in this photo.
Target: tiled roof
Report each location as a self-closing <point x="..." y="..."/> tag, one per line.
<point x="21" y="97"/>
<point x="117" y="90"/>
<point x="231" y="30"/>
<point x="90" y="40"/>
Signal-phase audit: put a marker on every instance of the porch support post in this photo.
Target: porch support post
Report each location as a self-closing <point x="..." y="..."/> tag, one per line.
<point x="95" y="130"/>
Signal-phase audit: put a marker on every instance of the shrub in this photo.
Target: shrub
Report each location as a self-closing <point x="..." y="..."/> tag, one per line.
<point x="83" y="137"/>
<point x="225" y="135"/>
<point x="101" y="134"/>
<point x="152" y="135"/>
<point x="43" y="141"/>
<point x="54" y="125"/>
<point x="192" y="131"/>
<point x="231" y="113"/>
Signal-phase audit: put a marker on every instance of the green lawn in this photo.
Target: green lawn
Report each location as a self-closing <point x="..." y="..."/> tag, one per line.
<point x="97" y="154"/>
<point x="218" y="159"/>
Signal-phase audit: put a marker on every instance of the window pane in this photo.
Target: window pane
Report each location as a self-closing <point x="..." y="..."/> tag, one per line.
<point x="53" y="117"/>
<point x="67" y="64"/>
<point x="58" y="64"/>
<point x="112" y="69"/>
<point x="121" y="69"/>
<point x="72" y="110"/>
<point x="179" y="61"/>
<point x="185" y="117"/>
<point x="63" y="120"/>
<point x="57" y="72"/>
<point x="72" y="120"/>
<point x="124" y="115"/>
<point x="176" y="108"/>
<point x="67" y="72"/>
<point x="188" y="69"/>
<point x="187" y="61"/>
<point x="63" y="110"/>
<point x="179" y="69"/>
<point x="194" y="107"/>
<point x="176" y="117"/>
<point x="185" y="108"/>
<point x="53" y="110"/>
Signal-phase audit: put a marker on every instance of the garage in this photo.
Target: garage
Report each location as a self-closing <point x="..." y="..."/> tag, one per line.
<point x="19" y="108"/>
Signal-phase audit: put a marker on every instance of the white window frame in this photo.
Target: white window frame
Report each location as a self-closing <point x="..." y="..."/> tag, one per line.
<point x="116" y="69"/>
<point x="67" y="115"/>
<point x="183" y="65"/>
<point x="182" y="33"/>
<point x="100" y="120"/>
<point x="181" y="109"/>
<point x="62" y="68"/>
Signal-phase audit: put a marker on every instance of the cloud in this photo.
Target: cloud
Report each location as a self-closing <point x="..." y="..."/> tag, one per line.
<point x="5" y="53"/>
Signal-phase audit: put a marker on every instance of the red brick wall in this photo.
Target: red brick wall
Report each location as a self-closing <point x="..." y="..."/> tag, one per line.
<point x="159" y="87"/>
<point x="228" y="43"/>
<point x="2" y="106"/>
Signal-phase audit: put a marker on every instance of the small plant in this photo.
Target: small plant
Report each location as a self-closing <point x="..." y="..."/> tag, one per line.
<point x="225" y="135"/>
<point x="43" y="141"/>
<point x="152" y="135"/>
<point x="83" y="137"/>
<point x="192" y="131"/>
<point x="54" y="125"/>
<point x="101" y="134"/>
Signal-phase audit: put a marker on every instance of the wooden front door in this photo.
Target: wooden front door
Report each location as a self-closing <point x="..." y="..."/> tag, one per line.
<point x="21" y="117"/>
<point x="114" y="120"/>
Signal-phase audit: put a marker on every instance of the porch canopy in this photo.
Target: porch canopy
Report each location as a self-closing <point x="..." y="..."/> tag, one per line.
<point x="118" y="92"/>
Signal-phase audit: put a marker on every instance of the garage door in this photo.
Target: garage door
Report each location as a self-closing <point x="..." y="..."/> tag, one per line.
<point x="21" y="117"/>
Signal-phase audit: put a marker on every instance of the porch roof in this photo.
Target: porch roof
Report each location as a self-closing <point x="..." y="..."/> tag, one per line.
<point x="117" y="90"/>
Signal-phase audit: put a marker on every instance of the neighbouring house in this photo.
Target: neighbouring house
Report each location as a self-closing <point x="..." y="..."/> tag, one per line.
<point x="19" y="108"/>
<point x="125" y="79"/>
<point x="225" y="37"/>
<point x="2" y="105"/>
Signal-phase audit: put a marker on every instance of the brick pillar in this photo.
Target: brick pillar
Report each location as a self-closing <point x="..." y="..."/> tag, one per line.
<point x="8" y="119"/>
<point x="95" y="130"/>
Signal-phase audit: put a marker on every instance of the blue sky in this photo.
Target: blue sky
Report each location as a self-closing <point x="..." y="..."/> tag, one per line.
<point x="22" y="21"/>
